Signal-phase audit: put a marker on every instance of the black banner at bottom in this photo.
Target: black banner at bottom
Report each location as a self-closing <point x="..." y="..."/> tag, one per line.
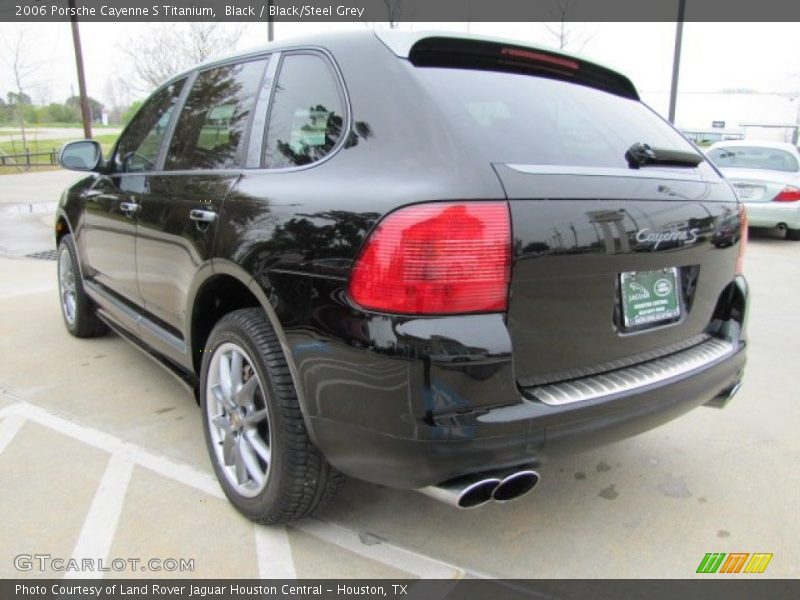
<point x="373" y="589"/>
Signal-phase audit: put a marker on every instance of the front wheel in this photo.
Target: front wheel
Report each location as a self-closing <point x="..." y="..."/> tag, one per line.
<point x="77" y="308"/>
<point x="253" y="426"/>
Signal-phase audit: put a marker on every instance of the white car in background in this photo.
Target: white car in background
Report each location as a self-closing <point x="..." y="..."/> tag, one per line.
<point x="766" y="176"/>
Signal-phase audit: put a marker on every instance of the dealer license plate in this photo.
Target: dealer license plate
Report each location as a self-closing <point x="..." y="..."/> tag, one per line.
<point x="649" y="297"/>
<point x="748" y="192"/>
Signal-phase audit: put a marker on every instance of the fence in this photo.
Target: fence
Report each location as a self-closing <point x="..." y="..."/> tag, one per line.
<point x="24" y="160"/>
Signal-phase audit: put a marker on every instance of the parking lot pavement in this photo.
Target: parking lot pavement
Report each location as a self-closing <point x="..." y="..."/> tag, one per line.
<point x="34" y="188"/>
<point x="102" y="455"/>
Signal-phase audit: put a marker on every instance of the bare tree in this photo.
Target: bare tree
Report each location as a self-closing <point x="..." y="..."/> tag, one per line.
<point x="168" y="49"/>
<point x="394" y="10"/>
<point x="22" y="67"/>
<point x="118" y="94"/>
<point x="568" y="36"/>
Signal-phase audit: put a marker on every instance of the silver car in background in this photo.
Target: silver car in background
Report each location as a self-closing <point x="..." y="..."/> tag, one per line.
<point x="766" y="176"/>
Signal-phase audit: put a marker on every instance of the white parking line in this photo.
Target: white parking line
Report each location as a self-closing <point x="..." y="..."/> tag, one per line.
<point x="380" y="551"/>
<point x="272" y="545"/>
<point x="183" y="473"/>
<point x="9" y="427"/>
<point x="100" y="524"/>
<point x="274" y="554"/>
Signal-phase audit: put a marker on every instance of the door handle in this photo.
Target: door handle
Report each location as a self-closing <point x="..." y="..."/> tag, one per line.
<point x="129" y="207"/>
<point x="204" y="216"/>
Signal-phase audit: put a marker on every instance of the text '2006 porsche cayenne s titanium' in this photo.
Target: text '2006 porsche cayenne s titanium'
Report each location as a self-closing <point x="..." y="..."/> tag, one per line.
<point x="423" y="261"/>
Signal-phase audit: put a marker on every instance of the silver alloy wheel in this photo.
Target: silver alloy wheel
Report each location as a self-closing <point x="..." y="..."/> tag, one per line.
<point x="66" y="285"/>
<point x="238" y="419"/>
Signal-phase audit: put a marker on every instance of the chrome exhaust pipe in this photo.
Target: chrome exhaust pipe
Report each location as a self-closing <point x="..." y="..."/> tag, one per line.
<point x="721" y="400"/>
<point x="475" y="490"/>
<point x="465" y="492"/>
<point x="515" y="485"/>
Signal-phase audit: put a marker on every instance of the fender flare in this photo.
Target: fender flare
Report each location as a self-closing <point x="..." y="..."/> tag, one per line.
<point x="219" y="266"/>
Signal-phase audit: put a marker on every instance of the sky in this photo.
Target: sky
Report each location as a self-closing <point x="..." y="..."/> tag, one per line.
<point x="716" y="56"/>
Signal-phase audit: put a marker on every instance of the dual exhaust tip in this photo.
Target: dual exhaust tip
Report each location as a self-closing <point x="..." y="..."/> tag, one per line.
<point x="475" y="490"/>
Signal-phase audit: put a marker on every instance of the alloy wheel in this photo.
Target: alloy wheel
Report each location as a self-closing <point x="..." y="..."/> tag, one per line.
<point x="66" y="285"/>
<point x="238" y="419"/>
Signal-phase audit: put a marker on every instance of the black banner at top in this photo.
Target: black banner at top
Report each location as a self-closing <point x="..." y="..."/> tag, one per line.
<point x="398" y="10"/>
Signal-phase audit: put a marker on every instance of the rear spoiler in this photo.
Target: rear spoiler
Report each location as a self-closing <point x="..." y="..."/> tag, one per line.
<point x="471" y="53"/>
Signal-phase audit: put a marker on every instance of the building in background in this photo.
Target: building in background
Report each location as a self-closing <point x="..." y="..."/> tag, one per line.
<point x="711" y="117"/>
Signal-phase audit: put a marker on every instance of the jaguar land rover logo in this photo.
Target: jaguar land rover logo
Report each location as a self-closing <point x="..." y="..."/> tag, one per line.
<point x="662" y="288"/>
<point x="657" y="237"/>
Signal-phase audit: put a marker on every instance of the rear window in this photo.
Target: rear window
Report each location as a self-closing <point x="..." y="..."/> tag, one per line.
<point x="754" y="157"/>
<point x="523" y="119"/>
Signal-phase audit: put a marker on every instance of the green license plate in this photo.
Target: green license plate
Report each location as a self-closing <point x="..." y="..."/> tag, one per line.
<point x="649" y="296"/>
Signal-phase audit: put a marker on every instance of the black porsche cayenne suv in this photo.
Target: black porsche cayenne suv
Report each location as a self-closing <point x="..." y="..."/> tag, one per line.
<point x="423" y="261"/>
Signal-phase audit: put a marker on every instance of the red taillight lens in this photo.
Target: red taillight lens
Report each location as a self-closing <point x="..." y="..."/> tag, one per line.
<point x="788" y="194"/>
<point x="742" y="240"/>
<point x="435" y="259"/>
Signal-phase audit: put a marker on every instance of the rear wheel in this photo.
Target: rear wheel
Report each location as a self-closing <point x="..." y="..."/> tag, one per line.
<point x="77" y="308"/>
<point x="254" y="429"/>
<point x="793" y="234"/>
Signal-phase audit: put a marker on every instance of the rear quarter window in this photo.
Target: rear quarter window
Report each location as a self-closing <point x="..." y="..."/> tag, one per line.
<point x="307" y="112"/>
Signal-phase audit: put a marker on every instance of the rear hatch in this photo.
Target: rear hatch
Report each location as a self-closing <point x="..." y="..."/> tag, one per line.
<point x="615" y="259"/>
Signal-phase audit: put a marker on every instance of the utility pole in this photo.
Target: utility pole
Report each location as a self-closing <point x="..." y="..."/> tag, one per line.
<point x="76" y="40"/>
<point x="270" y="23"/>
<point x="676" y="61"/>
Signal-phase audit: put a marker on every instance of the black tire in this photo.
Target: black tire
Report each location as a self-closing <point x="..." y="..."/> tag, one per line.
<point x="83" y="321"/>
<point x="793" y="234"/>
<point x="298" y="480"/>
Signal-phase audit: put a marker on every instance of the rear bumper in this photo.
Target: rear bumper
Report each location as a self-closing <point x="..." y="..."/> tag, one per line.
<point x="528" y="433"/>
<point x="772" y="214"/>
<point x="424" y="413"/>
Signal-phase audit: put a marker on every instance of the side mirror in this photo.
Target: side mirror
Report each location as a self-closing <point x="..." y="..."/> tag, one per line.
<point x="83" y="155"/>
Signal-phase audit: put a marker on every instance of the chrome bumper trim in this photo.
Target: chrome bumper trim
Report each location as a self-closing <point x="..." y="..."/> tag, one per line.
<point x="633" y="377"/>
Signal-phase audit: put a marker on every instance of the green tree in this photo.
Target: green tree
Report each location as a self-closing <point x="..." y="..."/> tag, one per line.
<point x="15" y="98"/>
<point x="132" y="110"/>
<point x="60" y="113"/>
<point x="95" y="107"/>
<point x="6" y="112"/>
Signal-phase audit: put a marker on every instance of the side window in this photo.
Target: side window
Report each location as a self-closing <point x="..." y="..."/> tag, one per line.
<point x="138" y="147"/>
<point x="307" y="114"/>
<point x="214" y="119"/>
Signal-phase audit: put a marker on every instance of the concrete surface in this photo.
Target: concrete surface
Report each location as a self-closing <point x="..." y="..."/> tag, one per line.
<point x="34" y="188"/>
<point x="102" y="455"/>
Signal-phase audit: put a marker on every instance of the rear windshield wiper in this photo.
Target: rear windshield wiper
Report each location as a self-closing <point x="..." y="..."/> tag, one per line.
<point x="642" y="155"/>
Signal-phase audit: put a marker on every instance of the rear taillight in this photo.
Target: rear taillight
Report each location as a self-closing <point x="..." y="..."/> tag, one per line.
<point x="788" y="194"/>
<point x="435" y="259"/>
<point x="742" y="240"/>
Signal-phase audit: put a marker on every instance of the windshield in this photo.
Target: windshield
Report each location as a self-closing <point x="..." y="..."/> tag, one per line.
<point x="754" y="157"/>
<point x="524" y="119"/>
